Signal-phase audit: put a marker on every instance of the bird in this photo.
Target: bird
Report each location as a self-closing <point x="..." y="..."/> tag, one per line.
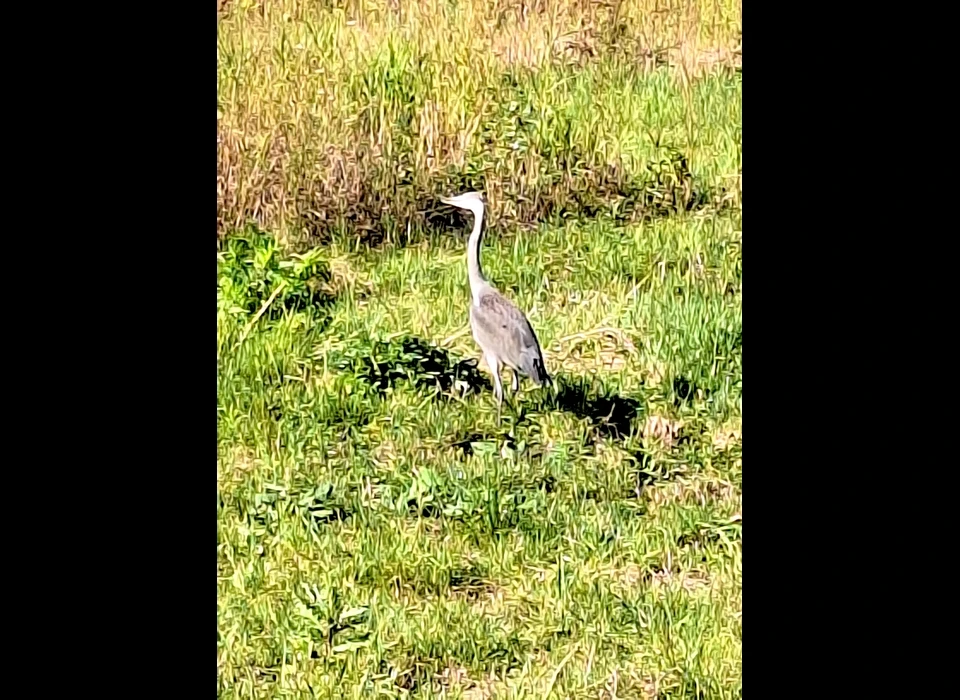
<point x="503" y="333"/>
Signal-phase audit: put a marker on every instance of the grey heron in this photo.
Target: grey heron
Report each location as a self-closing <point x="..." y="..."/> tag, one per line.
<point x="501" y="330"/>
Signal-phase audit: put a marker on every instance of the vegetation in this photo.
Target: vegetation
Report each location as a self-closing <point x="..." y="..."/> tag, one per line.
<point x="379" y="533"/>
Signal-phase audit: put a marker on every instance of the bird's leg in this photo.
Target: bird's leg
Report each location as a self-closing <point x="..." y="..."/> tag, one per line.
<point x="494" y="363"/>
<point x="498" y="391"/>
<point x="516" y="381"/>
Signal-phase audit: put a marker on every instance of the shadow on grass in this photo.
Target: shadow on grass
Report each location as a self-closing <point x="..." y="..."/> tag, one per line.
<point x="611" y="414"/>
<point x="431" y="367"/>
<point x="379" y="207"/>
<point x="425" y="366"/>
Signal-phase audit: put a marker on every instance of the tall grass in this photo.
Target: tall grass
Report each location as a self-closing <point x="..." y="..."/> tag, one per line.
<point x="336" y="116"/>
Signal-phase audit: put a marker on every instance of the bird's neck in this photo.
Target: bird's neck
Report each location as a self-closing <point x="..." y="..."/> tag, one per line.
<point x="477" y="280"/>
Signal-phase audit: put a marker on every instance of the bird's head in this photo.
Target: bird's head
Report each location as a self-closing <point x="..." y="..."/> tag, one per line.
<point x="471" y="201"/>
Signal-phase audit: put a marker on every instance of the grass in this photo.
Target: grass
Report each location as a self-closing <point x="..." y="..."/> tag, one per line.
<point x="350" y="120"/>
<point x="379" y="533"/>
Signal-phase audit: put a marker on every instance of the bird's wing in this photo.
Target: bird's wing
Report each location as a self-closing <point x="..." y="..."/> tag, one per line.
<point x="502" y="327"/>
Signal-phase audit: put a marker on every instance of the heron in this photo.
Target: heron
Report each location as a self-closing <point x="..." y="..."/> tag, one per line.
<point x="503" y="333"/>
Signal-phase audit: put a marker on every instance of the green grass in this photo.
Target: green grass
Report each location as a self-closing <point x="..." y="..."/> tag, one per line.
<point x="379" y="532"/>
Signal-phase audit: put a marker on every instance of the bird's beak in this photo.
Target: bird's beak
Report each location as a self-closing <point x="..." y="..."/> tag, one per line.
<point x="446" y="200"/>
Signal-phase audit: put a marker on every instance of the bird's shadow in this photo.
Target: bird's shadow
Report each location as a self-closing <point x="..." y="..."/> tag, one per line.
<point x="611" y="414"/>
<point x="426" y="366"/>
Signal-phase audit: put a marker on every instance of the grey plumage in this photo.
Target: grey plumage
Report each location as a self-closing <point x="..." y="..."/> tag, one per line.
<point x="499" y="327"/>
<point x="498" y="324"/>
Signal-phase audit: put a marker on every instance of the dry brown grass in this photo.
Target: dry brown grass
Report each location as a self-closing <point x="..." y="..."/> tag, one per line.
<point x="232" y="472"/>
<point x="601" y="349"/>
<point x="662" y="429"/>
<point x="728" y="435"/>
<point x="698" y="490"/>
<point x="332" y="118"/>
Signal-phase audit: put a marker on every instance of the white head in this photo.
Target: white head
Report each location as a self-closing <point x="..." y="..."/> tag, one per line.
<point x="472" y="201"/>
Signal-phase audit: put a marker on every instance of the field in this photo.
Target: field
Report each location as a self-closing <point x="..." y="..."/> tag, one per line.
<point x="380" y="532"/>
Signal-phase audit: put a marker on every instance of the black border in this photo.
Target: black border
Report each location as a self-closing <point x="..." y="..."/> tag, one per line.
<point x="811" y="201"/>
<point x="126" y="135"/>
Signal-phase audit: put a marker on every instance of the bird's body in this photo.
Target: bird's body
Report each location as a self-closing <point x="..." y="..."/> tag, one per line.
<point x="501" y="330"/>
